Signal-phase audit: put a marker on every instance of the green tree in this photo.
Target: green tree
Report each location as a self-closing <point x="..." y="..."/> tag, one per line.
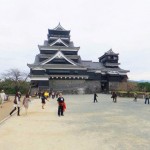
<point x="145" y="86"/>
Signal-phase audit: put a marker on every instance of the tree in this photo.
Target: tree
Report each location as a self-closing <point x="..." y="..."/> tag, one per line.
<point x="132" y="86"/>
<point x="145" y="86"/>
<point x="13" y="74"/>
<point x="15" y="78"/>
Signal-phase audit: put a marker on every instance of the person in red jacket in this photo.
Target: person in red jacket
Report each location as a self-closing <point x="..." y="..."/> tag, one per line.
<point x="61" y="104"/>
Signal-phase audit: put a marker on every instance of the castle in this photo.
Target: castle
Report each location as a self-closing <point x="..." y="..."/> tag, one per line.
<point x="59" y="67"/>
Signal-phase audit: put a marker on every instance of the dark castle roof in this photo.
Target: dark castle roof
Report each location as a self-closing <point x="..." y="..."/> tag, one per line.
<point x="44" y="59"/>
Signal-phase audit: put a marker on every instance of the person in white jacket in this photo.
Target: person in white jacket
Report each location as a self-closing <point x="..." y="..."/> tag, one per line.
<point x="2" y="98"/>
<point x="16" y="104"/>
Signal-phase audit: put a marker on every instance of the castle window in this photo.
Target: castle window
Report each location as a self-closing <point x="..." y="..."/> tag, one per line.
<point x="115" y="58"/>
<point x="76" y="72"/>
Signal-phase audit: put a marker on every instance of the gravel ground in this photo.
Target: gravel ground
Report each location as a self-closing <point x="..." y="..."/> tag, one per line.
<point x="86" y="125"/>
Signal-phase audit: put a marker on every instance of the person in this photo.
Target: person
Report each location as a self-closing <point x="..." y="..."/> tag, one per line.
<point x="2" y="98"/>
<point x="50" y="93"/>
<point x="146" y="97"/>
<point x="95" y="97"/>
<point x="36" y="94"/>
<point x="135" y="97"/>
<point x="53" y="95"/>
<point x="43" y="98"/>
<point x="46" y="94"/>
<point x="26" y="101"/>
<point x="114" y="96"/>
<point x="19" y="94"/>
<point x="61" y="105"/>
<point x="16" y="104"/>
<point x="39" y="94"/>
<point x="57" y="93"/>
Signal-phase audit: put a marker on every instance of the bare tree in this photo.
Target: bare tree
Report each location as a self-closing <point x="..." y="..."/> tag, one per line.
<point x="16" y="76"/>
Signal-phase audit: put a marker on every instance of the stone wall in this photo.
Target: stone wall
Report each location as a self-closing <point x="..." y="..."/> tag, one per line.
<point x="75" y="86"/>
<point x="113" y="86"/>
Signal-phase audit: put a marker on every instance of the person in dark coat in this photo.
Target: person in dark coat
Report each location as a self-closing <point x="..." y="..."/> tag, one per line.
<point x="147" y="97"/>
<point x="95" y="97"/>
<point x="60" y="101"/>
<point x="114" y="97"/>
<point x="39" y="94"/>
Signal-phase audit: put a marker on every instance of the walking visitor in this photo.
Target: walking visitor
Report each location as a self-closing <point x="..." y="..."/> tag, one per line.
<point x="43" y="98"/>
<point x="16" y="104"/>
<point x="57" y="94"/>
<point x="39" y="94"/>
<point x="19" y="94"/>
<point x="46" y="94"/>
<point x="135" y="97"/>
<point x="53" y="95"/>
<point x="114" y="97"/>
<point x="26" y="101"/>
<point x="146" y="97"/>
<point x="95" y="97"/>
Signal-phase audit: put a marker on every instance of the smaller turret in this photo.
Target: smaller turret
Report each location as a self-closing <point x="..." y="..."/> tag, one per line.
<point x="110" y="59"/>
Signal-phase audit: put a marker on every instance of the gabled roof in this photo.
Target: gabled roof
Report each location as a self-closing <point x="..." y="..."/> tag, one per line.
<point x="58" y="41"/>
<point x="59" y="27"/>
<point x="59" y="54"/>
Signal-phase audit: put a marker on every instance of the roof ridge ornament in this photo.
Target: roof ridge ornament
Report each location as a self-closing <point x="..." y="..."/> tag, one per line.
<point x="110" y="51"/>
<point x="59" y="27"/>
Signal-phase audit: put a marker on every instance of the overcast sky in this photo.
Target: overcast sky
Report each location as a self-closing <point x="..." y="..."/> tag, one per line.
<point x="96" y="26"/>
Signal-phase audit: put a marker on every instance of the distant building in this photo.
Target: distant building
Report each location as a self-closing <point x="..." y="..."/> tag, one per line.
<point x="59" y="67"/>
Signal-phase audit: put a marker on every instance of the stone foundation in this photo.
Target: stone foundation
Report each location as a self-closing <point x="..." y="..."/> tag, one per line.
<point x="75" y="86"/>
<point x="113" y="86"/>
<point x="81" y="86"/>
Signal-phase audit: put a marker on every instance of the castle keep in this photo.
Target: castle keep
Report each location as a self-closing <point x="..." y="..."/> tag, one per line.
<point x="58" y="67"/>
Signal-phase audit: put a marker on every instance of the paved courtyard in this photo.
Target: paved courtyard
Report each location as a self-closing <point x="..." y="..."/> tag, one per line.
<point x="105" y="125"/>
